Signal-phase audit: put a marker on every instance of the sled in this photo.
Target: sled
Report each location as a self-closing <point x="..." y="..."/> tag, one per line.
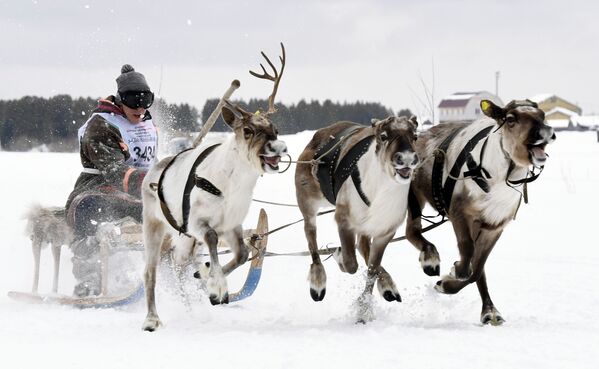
<point x="98" y="302"/>
<point x="258" y="241"/>
<point x="124" y="236"/>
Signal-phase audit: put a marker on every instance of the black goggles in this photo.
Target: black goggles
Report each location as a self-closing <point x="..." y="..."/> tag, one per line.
<point x="137" y="99"/>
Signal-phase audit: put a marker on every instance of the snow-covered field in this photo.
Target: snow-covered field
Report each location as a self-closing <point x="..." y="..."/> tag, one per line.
<point x="542" y="277"/>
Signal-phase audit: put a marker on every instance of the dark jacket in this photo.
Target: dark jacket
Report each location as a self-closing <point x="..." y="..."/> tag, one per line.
<point x="102" y="148"/>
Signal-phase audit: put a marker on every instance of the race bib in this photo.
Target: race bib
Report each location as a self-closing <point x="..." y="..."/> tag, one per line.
<point x="140" y="139"/>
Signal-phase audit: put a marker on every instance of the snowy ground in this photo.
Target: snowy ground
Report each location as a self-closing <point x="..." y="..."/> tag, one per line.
<point x="542" y="277"/>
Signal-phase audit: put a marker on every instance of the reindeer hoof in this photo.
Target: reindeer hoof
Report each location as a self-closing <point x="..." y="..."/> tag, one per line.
<point x="214" y="299"/>
<point x="432" y="270"/>
<point x="390" y="296"/>
<point x="151" y="324"/>
<point x="317" y="296"/>
<point x="430" y="261"/>
<point x="492" y="317"/>
<point x="439" y="287"/>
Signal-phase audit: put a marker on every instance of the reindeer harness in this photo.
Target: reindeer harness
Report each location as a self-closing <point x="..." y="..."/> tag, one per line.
<point x="193" y="180"/>
<point x="442" y="194"/>
<point x="332" y="171"/>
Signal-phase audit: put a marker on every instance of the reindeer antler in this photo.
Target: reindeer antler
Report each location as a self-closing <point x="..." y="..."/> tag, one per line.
<point x="276" y="78"/>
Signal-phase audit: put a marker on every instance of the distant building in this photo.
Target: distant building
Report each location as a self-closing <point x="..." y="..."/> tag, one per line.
<point x="464" y="106"/>
<point x="559" y="113"/>
<point x="549" y="102"/>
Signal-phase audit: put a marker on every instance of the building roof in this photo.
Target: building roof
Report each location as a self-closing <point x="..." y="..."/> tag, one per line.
<point x="565" y="111"/>
<point x="458" y="99"/>
<point x="539" y="98"/>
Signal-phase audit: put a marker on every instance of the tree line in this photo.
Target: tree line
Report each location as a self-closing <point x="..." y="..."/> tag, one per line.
<point x="52" y="123"/>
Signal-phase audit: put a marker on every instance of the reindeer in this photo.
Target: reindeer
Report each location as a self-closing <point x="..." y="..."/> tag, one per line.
<point x="480" y="198"/>
<point x="226" y="175"/>
<point x="369" y="208"/>
<point x="47" y="226"/>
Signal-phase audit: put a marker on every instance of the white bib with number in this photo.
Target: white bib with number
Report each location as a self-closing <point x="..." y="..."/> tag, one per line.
<point x="140" y="139"/>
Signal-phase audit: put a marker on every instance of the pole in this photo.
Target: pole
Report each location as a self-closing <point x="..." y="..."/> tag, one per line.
<point x="497" y="83"/>
<point x="214" y="116"/>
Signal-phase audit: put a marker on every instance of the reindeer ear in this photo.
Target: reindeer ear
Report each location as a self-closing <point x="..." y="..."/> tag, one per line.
<point x="491" y="110"/>
<point x="532" y="103"/>
<point x="229" y="116"/>
<point x="414" y="120"/>
<point x="374" y="121"/>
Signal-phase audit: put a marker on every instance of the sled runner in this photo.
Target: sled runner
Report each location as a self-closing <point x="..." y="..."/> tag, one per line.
<point x="125" y="236"/>
<point x="258" y="241"/>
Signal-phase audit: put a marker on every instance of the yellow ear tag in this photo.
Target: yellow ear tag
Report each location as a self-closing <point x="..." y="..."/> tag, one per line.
<point x="257" y="112"/>
<point x="485" y="105"/>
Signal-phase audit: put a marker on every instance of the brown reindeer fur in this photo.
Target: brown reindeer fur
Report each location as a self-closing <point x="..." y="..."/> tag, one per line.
<point x="372" y="226"/>
<point x="479" y="218"/>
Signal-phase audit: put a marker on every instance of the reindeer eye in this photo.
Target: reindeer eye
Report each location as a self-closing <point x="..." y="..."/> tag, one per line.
<point x="247" y="132"/>
<point x="510" y="120"/>
<point x="384" y="136"/>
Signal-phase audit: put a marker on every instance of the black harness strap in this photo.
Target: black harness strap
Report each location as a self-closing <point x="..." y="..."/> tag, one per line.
<point x="163" y="206"/>
<point x="526" y="180"/>
<point x="326" y="167"/>
<point x="332" y="171"/>
<point x="355" y="176"/>
<point x="348" y="165"/>
<point x="437" y="174"/>
<point x="476" y="171"/>
<point x="442" y="193"/>
<point x="192" y="180"/>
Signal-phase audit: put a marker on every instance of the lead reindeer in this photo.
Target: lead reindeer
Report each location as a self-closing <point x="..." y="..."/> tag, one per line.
<point x="369" y="207"/>
<point x="486" y="160"/>
<point x="225" y="175"/>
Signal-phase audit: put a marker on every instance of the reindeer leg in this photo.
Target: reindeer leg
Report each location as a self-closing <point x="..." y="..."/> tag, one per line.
<point x="462" y="269"/>
<point x="364" y="303"/>
<point x="484" y="241"/>
<point x="385" y="283"/>
<point x="429" y="257"/>
<point x="216" y="283"/>
<point x="56" y="248"/>
<point x="346" y="255"/>
<point x="36" y="247"/>
<point x="364" y="246"/>
<point x="182" y="258"/>
<point x="489" y="314"/>
<point x="317" y="274"/>
<point x="235" y="241"/>
<point x="153" y="232"/>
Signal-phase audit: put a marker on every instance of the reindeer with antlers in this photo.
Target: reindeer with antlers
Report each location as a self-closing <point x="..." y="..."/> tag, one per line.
<point x="216" y="183"/>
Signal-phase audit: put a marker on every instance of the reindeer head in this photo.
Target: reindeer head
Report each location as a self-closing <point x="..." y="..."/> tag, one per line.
<point x="395" y="137"/>
<point x="525" y="133"/>
<point x="254" y="131"/>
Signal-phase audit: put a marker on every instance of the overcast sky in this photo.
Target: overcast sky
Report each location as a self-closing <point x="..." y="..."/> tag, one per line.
<point x="341" y="50"/>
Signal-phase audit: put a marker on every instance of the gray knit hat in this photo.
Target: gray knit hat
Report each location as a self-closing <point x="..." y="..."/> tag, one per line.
<point x="130" y="80"/>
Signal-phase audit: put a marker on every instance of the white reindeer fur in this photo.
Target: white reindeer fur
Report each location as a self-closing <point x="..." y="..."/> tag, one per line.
<point x="502" y="201"/>
<point x="388" y="197"/>
<point x="228" y="168"/>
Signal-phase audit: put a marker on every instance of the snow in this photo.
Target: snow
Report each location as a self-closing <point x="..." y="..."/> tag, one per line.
<point x="559" y="123"/>
<point x="539" y="98"/>
<point x="542" y="276"/>
<point x="559" y="109"/>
